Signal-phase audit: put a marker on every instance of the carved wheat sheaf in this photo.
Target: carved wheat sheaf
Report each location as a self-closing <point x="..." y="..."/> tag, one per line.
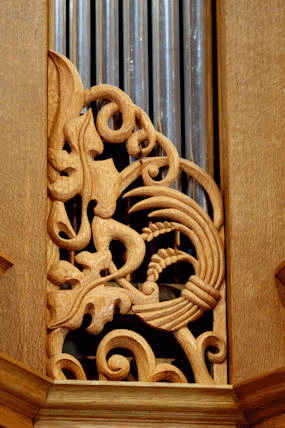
<point x="83" y="277"/>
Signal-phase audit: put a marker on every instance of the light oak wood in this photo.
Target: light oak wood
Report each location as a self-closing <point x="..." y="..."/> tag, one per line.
<point x="22" y="179"/>
<point x="252" y="134"/>
<point x="28" y="399"/>
<point x="75" y="170"/>
<point x="117" y="404"/>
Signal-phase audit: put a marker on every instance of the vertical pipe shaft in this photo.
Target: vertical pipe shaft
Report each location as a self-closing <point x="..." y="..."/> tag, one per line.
<point x="72" y="30"/>
<point x="83" y="52"/>
<point x="197" y="37"/>
<point x="166" y="79"/>
<point x="79" y="38"/>
<point x="107" y="42"/>
<point x="60" y="26"/>
<point x="135" y="56"/>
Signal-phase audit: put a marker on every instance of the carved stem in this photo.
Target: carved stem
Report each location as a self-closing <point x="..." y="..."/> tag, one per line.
<point x="194" y="355"/>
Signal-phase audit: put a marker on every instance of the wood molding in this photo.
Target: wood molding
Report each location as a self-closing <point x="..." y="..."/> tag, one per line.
<point x="29" y="399"/>
<point x="26" y="396"/>
<point x="138" y="404"/>
<point x="22" y="392"/>
<point x="262" y="399"/>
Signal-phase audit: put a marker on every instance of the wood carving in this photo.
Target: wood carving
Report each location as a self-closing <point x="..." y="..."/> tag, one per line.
<point x="88" y="281"/>
<point x="5" y="263"/>
<point x="280" y="281"/>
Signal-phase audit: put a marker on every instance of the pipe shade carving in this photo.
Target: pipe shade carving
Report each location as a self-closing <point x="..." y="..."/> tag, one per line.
<point x="83" y="277"/>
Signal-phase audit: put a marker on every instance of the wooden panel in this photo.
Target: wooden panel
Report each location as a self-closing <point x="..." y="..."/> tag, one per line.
<point x="252" y="127"/>
<point x="23" y="177"/>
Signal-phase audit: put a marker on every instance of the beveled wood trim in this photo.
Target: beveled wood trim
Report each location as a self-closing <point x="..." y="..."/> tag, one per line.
<point x="262" y="398"/>
<point x="136" y="403"/>
<point x="22" y="391"/>
<point x="26" y="396"/>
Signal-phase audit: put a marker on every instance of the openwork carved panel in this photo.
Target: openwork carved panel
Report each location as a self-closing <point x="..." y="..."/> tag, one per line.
<point x="84" y="274"/>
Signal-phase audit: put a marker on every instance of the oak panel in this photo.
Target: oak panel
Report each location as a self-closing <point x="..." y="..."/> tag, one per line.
<point x="23" y="179"/>
<point x="252" y="130"/>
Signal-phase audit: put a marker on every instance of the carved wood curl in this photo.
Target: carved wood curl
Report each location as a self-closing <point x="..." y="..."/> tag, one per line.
<point x="87" y="280"/>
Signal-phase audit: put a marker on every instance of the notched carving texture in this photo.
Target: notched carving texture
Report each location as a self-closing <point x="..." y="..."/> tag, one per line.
<point x="84" y="277"/>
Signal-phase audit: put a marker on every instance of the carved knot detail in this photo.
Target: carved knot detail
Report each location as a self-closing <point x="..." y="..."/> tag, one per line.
<point x="200" y="293"/>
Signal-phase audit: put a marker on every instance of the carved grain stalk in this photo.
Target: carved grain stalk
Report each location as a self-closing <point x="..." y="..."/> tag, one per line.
<point x="88" y="281"/>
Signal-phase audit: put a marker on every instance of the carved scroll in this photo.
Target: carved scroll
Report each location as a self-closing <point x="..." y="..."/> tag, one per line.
<point x="86" y="280"/>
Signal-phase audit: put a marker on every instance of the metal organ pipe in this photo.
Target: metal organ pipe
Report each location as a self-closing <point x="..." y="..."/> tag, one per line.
<point x="83" y="41"/>
<point x="136" y="63"/>
<point x="59" y="22"/>
<point x="166" y="70"/>
<point x="198" y="94"/>
<point x="162" y="49"/>
<point x="107" y="42"/>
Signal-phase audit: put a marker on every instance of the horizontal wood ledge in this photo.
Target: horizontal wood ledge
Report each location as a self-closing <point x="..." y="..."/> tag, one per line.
<point x="36" y="397"/>
<point x="133" y="401"/>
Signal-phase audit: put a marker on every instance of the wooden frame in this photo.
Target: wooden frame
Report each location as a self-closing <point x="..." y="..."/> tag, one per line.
<point x="252" y="114"/>
<point x="22" y="175"/>
<point x="28" y="399"/>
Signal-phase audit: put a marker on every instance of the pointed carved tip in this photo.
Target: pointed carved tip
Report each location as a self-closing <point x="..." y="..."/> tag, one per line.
<point x="280" y="272"/>
<point x="5" y="262"/>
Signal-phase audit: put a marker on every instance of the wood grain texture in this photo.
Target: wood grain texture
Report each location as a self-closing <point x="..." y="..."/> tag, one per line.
<point x="27" y="397"/>
<point x="22" y="177"/>
<point x="75" y="141"/>
<point x="11" y="419"/>
<point x="119" y="404"/>
<point x="252" y="129"/>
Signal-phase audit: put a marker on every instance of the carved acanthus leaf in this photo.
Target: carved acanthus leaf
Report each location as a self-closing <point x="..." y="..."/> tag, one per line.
<point x="85" y="277"/>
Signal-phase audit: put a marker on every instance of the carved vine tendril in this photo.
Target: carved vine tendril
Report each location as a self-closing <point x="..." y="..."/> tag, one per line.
<point x="80" y="284"/>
